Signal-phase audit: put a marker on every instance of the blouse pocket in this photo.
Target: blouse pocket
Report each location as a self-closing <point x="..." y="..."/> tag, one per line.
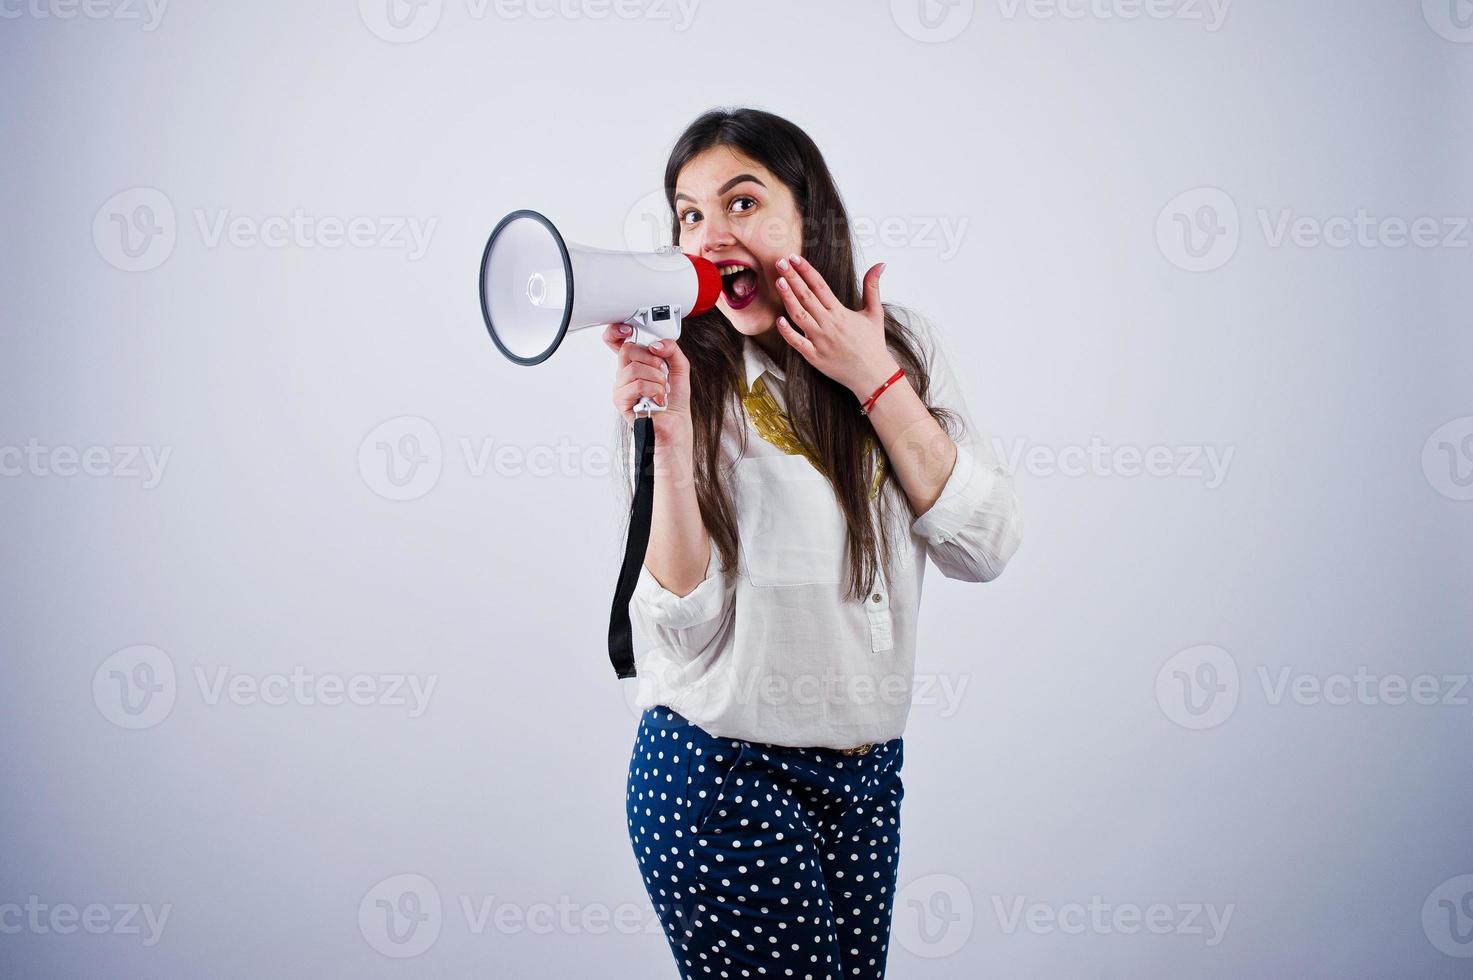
<point x="792" y="531"/>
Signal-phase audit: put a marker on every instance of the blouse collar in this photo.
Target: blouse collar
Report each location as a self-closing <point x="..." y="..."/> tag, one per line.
<point x="757" y="360"/>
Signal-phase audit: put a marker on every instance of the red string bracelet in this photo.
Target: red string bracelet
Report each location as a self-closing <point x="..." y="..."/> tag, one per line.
<point x="870" y="402"/>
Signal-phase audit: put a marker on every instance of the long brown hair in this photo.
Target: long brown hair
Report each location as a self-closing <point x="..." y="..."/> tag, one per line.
<point x="822" y="412"/>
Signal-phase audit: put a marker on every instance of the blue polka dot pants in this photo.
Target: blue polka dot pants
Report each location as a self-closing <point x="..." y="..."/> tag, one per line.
<point x="765" y="860"/>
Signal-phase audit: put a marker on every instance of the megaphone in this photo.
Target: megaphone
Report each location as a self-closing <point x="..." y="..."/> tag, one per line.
<point x="536" y="288"/>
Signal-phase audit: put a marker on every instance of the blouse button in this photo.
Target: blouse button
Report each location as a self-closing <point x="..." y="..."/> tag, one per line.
<point x="875" y="597"/>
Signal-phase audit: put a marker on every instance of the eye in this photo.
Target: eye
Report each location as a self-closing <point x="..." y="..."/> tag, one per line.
<point x="689" y="216"/>
<point x="751" y="203"/>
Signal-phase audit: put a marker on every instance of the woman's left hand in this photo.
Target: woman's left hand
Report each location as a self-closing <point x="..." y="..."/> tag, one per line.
<point x="847" y="345"/>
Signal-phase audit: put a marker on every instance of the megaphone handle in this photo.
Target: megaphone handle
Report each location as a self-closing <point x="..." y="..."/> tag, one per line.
<point x="648" y="405"/>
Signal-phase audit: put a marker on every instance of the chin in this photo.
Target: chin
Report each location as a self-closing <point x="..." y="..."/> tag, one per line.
<point x="751" y="321"/>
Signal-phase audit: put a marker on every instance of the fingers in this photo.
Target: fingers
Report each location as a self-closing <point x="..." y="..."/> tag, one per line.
<point x="810" y="277"/>
<point x="664" y="354"/>
<point x="657" y="371"/>
<point x="615" y="334"/>
<point x="802" y="305"/>
<point x="628" y="395"/>
<point x="803" y="345"/>
<point x="639" y="353"/>
<point x="633" y="372"/>
<point x="635" y="390"/>
<point x="674" y="357"/>
<point x="872" y="288"/>
<point x="794" y="305"/>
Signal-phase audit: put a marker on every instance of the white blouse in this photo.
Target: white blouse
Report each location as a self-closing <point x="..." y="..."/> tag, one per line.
<point x="772" y="651"/>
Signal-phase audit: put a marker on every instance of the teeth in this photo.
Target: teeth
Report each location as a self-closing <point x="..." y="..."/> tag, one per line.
<point x="731" y="270"/>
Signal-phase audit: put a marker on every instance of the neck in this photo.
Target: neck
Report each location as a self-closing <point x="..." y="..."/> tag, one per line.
<point x="772" y="344"/>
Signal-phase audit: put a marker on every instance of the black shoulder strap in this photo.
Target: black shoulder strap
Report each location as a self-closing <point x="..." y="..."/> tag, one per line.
<point x="621" y="644"/>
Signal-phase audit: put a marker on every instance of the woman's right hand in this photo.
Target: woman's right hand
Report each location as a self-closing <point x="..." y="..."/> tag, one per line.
<point x="640" y="373"/>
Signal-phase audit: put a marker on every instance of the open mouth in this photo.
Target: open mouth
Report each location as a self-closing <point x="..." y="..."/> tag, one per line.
<point x="738" y="284"/>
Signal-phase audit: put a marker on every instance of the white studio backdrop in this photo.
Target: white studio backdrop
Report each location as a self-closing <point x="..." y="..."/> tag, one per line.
<point x="306" y="590"/>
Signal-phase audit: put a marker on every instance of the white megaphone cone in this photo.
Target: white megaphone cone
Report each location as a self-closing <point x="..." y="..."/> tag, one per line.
<point x="536" y="288"/>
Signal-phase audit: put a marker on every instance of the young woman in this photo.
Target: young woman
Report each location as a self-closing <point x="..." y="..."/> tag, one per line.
<point x="814" y="451"/>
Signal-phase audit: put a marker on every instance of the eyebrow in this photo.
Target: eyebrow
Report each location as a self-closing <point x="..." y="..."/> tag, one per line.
<point x="726" y="186"/>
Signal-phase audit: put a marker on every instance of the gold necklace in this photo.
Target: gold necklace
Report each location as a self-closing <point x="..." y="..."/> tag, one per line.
<point x="772" y="424"/>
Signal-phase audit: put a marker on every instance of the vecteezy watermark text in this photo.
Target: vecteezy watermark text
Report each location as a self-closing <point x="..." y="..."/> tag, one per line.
<point x="938" y="693"/>
<point x="1101" y="918"/>
<point x="148" y="12"/>
<point x="1206" y="463"/>
<point x="145" y="463"/>
<point x="406" y="233"/>
<point x="1210" y="13"/>
<point x="407" y="21"/>
<point x="300" y="687"/>
<point x="40" y="918"/>
<point x="136" y="230"/>
<point x="137" y="687"/>
<point x="403" y="915"/>
<point x="1200" y="230"/>
<point x="1200" y="687"/>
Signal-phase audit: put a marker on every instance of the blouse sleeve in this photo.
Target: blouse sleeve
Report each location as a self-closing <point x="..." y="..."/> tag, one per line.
<point x="688" y="623"/>
<point x="974" y="527"/>
<point x="685" y="624"/>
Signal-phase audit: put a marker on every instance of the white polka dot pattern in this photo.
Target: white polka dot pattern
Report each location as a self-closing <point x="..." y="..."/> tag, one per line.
<point x="765" y="860"/>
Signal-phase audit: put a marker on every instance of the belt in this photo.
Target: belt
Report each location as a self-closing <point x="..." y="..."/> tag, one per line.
<point x="859" y="749"/>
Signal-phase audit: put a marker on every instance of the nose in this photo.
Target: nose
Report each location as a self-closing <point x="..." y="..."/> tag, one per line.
<point x="715" y="235"/>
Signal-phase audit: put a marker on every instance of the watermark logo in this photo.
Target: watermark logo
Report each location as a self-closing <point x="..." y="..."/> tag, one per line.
<point x="1447" y="917"/>
<point x="401" y="459"/>
<point x="401" y="916"/>
<point x="647" y="223"/>
<point x="1447" y="459"/>
<point x="1199" y="229"/>
<point x="647" y="228"/>
<point x="932" y="21"/>
<point x="400" y="21"/>
<point x="135" y="229"/>
<point x="1198" y="687"/>
<point x="1451" y="19"/>
<point x="934" y="916"/>
<point x="135" y="687"/>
